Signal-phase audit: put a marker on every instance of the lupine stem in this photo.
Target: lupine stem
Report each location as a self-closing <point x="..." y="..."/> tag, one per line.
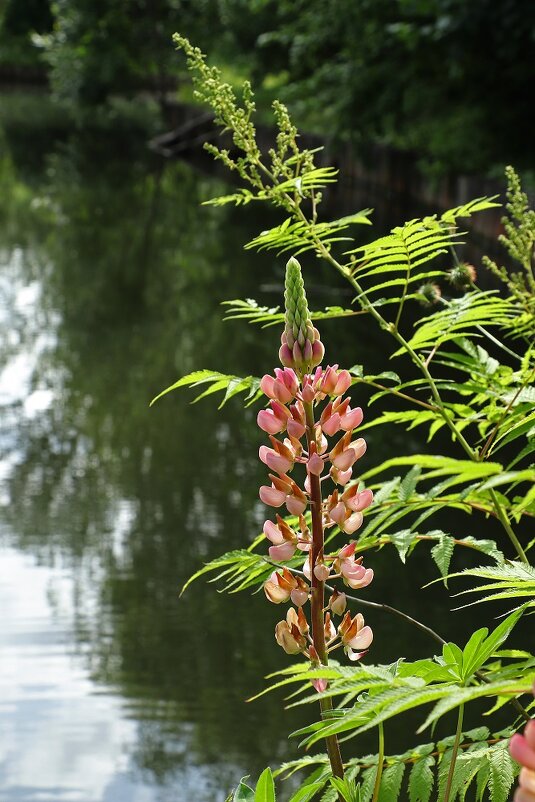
<point x="317" y="601"/>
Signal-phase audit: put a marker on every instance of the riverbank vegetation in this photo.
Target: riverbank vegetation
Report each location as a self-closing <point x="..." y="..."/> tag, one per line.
<point x="446" y="79"/>
<point x="462" y="369"/>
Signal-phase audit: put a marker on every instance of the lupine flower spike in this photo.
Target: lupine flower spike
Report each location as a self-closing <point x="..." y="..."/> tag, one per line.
<point x="326" y="446"/>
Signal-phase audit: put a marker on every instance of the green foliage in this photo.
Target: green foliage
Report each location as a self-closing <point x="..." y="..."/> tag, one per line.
<point x="518" y="240"/>
<point x="512" y="580"/>
<point x="218" y="382"/>
<point x="475" y="371"/>
<point x="427" y="76"/>
<point x="264" y="791"/>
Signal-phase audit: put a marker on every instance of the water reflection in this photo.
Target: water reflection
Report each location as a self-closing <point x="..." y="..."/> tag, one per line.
<point x="106" y="273"/>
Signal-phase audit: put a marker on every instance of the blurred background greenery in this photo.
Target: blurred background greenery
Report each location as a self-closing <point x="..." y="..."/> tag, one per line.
<point x="446" y="79"/>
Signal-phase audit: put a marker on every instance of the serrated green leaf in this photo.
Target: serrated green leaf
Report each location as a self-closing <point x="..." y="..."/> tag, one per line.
<point x="421" y="780"/>
<point x="391" y="782"/>
<point x="409" y="482"/>
<point x="442" y="554"/>
<point x="502" y="774"/>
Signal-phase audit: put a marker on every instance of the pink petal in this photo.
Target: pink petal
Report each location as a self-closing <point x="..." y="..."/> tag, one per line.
<point x="295" y="506"/>
<point x="352" y="570"/>
<point x="343" y="383"/>
<point x="352" y="523"/>
<point x="352" y="419"/>
<point x="295" y="429"/>
<point x="286" y="356"/>
<point x="355" y="655"/>
<point x="361" y="583"/>
<point x="282" y="393"/>
<point x="271" y="496"/>
<point x="273" y="533"/>
<point x="299" y="597"/>
<point x="362" y="640"/>
<point x="308" y="393"/>
<point x="267" y="385"/>
<point x="315" y="464"/>
<point x="275" y="461"/>
<point x="522" y="752"/>
<point x="338" y="513"/>
<point x="345" y="460"/>
<point x="283" y="552"/>
<point x="269" y="422"/>
<point x="331" y="425"/>
<point x="321" y="572"/>
<point x="274" y="592"/>
<point x="306" y="569"/>
<point x="347" y="551"/>
<point x="360" y="501"/>
<point x="339" y="604"/>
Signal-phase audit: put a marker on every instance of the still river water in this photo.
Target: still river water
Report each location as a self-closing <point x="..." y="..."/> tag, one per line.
<point x="111" y="277"/>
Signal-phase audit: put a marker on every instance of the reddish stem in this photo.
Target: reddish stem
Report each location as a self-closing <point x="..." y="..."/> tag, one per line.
<point x="317" y="602"/>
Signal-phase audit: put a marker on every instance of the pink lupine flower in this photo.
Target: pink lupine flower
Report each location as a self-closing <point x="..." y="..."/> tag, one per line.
<point x="330" y="420"/>
<point x="321" y="571"/>
<point x="343" y="382"/>
<point x="283" y="537"/>
<point x="280" y="458"/>
<point x="352" y="523"/>
<point x="284" y="551"/>
<point x="355" y="636"/>
<point x="326" y="380"/>
<point x="346" y="510"/>
<point x="334" y="382"/>
<point x="315" y="464"/>
<point x="275" y="461"/>
<point x="300" y="593"/>
<point x="271" y="496"/>
<point x="340" y="477"/>
<point x="288" y="636"/>
<point x="296" y="501"/>
<point x="274" y="420"/>
<point x="319" y="685"/>
<point x="346" y="452"/>
<point x="338" y="602"/>
<point x="279" y="586"/>
<point x="273" y="533"/>
<point x="351" y="419"/>
<point x="282" y="388"/>
<point x="355" y="500"/>
<point x="288" y="377"/>
<point x="296" y="424"/>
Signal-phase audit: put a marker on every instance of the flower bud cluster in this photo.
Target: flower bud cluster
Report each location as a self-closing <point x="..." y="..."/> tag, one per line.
<point x="326" y="446"/>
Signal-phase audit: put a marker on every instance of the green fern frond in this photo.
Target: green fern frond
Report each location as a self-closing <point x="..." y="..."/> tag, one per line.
<point x="218" y="382"/>
<point x="459" y="318"/>
<point x="265" y="316"/>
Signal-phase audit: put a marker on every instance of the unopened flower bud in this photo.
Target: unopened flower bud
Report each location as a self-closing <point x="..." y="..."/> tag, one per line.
<point x="429" y="294"/>
<point x="338" y="602"/>
<point x="301" y="346"/>
<point x="462" y="276"/>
